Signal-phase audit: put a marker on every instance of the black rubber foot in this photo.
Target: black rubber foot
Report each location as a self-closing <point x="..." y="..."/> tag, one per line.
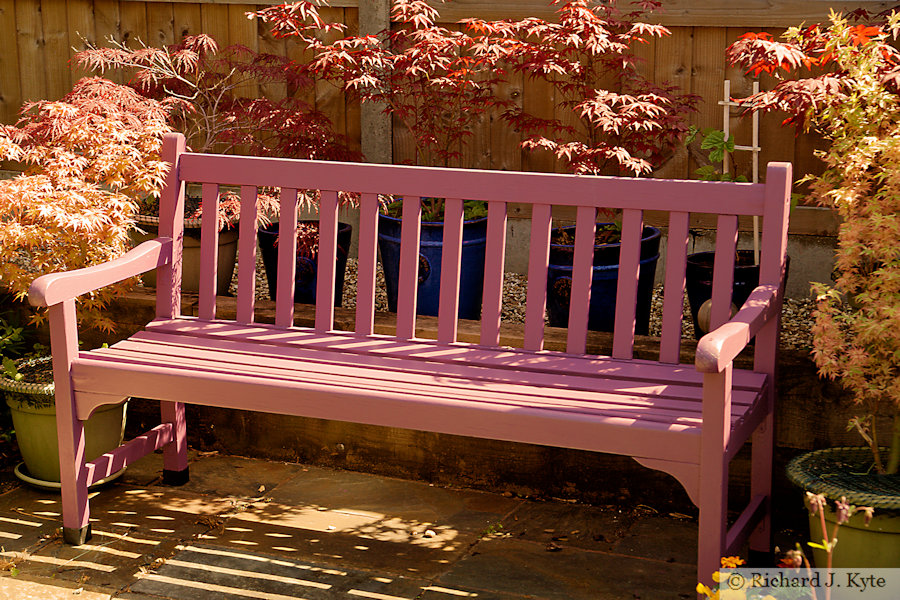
<point x="176" y="477"/>
<point x="760" y="558"/>
<point x="77" y="537"/>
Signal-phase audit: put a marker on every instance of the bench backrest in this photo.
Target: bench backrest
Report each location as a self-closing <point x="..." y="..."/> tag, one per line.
<point x="540" y="191"/>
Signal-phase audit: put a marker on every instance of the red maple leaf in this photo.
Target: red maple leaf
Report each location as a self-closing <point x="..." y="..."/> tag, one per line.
<point x="861" y="34"/>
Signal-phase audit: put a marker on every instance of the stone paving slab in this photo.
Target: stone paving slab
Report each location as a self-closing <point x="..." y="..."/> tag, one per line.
<point x="157" y="511"/>
<point x="662" y="538"/>
<point x="246" y="528"/>
<point x="204" y="572"/>
<point x="234" y="476"/>
<point x="19" y="588"/>
<point x="564" y="524"/>
<point x="523" y="569"/>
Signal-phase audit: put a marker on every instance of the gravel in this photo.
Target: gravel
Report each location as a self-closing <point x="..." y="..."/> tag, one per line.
<point x="797" y="320"/>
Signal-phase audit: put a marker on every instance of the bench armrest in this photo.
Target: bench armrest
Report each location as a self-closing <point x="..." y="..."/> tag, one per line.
<point x="54" y="288"/>
<point x="719" y="347"/>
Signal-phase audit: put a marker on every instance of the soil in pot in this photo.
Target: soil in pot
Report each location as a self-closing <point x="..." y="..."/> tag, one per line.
<point x="602" y="311"/>
<point x="471" y="282"/>
<point x="307" y="264"/>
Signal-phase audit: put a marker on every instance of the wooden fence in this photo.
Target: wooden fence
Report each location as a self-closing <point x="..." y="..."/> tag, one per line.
<point x="39" y="37"/>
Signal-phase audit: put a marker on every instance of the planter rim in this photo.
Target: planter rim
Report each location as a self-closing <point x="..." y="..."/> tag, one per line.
<point x="151" y="220"/>
<point x="844" y="472"/>
<point x="27" y="387"/>
<point x="381" y="215"/>
<point x="654" y="232"/>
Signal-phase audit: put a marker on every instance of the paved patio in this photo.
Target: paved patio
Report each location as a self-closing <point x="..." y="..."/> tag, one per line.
<point x="247" y="528"/>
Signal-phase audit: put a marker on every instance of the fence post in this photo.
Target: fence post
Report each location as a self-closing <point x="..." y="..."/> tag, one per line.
<point x="375" y="125"/>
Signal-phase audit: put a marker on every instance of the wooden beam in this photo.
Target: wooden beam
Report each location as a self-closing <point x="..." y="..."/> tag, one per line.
<point x="697" y="13"/>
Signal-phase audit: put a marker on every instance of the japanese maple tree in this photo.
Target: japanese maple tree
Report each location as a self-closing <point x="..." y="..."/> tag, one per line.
<point x="609" y="117"/>
<point x="203" y="83"/>
<point x="855" y="104"/>
<point x="422" y="74"/>
<point x="89" y="157"/>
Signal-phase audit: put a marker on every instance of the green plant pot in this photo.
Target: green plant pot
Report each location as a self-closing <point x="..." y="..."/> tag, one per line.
<point x="846" y="472"/>
<point x="874" y="547"/>
<point x="33" y="410"/>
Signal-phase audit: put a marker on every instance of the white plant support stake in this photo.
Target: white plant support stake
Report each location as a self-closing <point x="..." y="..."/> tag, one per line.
<point x="726" y="105"/>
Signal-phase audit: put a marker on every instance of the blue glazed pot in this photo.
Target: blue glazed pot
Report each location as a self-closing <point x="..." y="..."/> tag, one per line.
<point x="431" y="243"/>
<point x="602" y="311"/>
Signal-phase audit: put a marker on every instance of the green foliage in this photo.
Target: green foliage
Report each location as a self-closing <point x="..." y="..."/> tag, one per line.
<point x="717" y="145"/>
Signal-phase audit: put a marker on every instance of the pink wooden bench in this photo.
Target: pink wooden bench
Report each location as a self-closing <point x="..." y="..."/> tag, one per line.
<point x="686" y="420"/>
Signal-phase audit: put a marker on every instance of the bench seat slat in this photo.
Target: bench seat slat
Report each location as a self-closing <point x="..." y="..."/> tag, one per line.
<point x="393" y="369"/>
<point x="207" y="364"/>
<point x="375" y="407"/>
<point x="516" y="360"/>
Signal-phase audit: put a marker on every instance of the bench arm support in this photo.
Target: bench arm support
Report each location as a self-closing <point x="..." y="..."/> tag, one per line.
<point x="718" y="348"/>
<point x="51" y="289"/>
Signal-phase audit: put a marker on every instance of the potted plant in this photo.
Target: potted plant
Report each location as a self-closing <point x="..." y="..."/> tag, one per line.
<point x="27" y="385"/>
<point x="609" y="119"/>
<point x="204" y="85"/>
<point x="855" y="104"/>
<point x="699" y="268"/>
<point x="426" y="78"/>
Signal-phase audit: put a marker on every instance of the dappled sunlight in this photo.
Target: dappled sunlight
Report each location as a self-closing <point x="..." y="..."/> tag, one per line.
<point x="245" y="573"/>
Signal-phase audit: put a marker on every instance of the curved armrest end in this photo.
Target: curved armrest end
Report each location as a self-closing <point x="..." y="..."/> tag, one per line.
<point x="718" y="348"/>
<point x="54" y="288"/>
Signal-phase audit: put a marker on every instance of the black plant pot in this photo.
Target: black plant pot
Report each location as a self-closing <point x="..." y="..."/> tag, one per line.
<point x="307" y="265"/>
<point x="699" y="276"/>
<point x="604" y="282"/>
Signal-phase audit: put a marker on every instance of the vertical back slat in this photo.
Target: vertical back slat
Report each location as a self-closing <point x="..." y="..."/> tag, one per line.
<point x="582" y="275"/>
<point x="287" y="258"/>
<point x="723" y="270"/>
<point x="409" y="267"/>
<point x="451" y="254"/>
<point x="626" y="287"/>
<point x="209" y="251"/>
<point x="247" y="255"/>
<point x="673" y="292"/>
<point x="368" y="253"/>
<point x="171" y="225"/>
<point x="538" y="259"/>
<point x="495" y="252"/>
<point x="327" y="255"/>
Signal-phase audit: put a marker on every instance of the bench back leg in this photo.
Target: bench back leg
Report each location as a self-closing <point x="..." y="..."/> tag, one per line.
<point x="73" y="475"/>
<point x="175" y="463"/>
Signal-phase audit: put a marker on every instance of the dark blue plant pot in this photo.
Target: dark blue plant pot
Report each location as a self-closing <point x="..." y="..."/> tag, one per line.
<point x="307" y="266"/>
<point x="471" y="281"/>
<point x="602" y="311"/>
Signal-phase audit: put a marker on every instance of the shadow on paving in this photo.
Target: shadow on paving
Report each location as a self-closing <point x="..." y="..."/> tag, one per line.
<point x="245" y="528"/>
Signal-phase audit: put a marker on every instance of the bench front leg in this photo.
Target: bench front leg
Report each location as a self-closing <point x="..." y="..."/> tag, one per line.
<point x="714" y="437"/>
<point x="73" y="475"/>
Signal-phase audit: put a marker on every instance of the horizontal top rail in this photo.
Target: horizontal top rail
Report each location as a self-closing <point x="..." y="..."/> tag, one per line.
<point x="468" y="184"/>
